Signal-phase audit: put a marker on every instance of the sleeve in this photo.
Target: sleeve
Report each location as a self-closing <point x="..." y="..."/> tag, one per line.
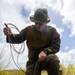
<point x="17" y="38"/>
<point x="55" y="43"/>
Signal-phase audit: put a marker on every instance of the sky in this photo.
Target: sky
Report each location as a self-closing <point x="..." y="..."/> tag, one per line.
<point x="18" y="12"/>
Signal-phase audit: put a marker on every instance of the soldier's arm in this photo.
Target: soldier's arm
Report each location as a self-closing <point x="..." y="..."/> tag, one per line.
<point x="55" y="43"/>
<point x="16" y="38"/>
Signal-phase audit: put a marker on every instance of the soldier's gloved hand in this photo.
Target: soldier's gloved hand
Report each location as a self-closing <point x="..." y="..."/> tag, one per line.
<point x="42" y="56"/>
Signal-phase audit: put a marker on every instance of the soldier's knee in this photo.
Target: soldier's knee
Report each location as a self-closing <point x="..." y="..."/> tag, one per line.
<point x="52" y="57"/>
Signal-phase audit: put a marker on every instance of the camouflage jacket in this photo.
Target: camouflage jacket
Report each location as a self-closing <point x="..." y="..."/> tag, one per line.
<point x="36" y="41"/>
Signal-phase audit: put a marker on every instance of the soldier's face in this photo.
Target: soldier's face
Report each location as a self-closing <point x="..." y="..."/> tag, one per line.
<point x="40" y="26"/>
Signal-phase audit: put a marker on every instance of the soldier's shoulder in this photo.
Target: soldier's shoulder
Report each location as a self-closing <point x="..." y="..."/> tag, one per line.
<point x="51" y="27"/>
<point x="28" y="27"/>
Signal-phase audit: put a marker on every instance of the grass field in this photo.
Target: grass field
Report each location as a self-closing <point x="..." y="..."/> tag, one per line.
<point x="65" y="71"/>
<point x="16" y="72"/>
<point x="11" y="72"/>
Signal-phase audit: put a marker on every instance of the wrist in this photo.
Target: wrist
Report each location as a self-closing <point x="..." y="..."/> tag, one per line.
<point x="46" y="52"/>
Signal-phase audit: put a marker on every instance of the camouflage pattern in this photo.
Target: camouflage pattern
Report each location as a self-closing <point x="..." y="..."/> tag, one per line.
<point x="40" y="16"/>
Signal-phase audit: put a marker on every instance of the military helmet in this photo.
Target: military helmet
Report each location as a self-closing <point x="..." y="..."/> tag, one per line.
<point x="40" y="16"/>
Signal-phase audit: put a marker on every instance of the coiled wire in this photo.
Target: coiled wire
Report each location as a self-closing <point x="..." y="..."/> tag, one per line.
<point x="20" y="51"/>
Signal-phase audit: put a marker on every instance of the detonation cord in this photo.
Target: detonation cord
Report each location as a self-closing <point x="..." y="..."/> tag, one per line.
<point x="22" y="48"/>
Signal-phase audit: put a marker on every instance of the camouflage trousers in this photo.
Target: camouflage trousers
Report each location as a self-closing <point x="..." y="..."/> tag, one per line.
<point x="51" y="64"/>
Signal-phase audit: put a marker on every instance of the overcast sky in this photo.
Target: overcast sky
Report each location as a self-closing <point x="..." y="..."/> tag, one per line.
<point x="62" y="15"/>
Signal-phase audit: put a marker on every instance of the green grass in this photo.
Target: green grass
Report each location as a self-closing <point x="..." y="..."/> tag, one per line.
<point x="65" y="71"/>
<point x="16" y="72"/>
<point x="11" y="72"/>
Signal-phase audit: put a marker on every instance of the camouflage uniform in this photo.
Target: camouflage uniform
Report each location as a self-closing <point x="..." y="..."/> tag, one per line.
<point x="47" y="40"/>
